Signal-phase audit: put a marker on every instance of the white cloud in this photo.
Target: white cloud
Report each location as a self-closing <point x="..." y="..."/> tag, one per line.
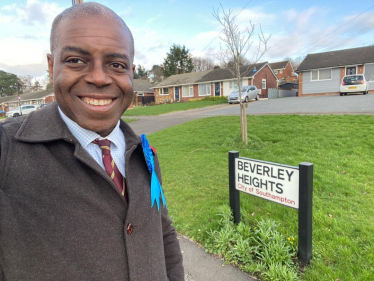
<point x="148" y="21"/>
<point x="35" y="12"/>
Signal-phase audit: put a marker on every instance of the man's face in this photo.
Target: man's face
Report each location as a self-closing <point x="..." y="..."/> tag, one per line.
<point x="92" y="72"/>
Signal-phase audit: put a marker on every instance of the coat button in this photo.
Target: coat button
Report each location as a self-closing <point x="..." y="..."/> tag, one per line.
<point x="129" y="228"/>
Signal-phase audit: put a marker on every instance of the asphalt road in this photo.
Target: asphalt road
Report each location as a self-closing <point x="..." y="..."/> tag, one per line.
<point x="352" y="104"/>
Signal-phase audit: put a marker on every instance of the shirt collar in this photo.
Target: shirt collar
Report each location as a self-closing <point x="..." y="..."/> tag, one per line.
<point x="84" y="136"/>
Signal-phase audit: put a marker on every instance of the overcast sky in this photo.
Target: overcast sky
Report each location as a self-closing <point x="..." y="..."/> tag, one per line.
<point x="296" y="28"/>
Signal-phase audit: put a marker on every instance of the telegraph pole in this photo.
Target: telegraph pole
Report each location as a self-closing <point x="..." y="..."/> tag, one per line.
<point x="75" y="2"/>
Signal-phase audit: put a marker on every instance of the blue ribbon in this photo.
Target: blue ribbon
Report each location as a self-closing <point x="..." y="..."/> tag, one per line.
<point x="156" y="189"/>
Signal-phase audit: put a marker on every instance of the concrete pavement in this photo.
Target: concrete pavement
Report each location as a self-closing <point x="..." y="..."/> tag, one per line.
<point x="200" y="266"/>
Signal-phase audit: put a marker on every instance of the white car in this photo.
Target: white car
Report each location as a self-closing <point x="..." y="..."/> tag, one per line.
<point x="248" y="93"/>
<point x="23" y="110"/>
<point x="354" y="84"/>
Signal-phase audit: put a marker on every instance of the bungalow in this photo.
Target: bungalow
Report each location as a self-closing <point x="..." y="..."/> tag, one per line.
<point x="143" y="92"/>
<point x="11" y="102"/>
<point x="215" y="82"/>
<point x="322" y="73"/>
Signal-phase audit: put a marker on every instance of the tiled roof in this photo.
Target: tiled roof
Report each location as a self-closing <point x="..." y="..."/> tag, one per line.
<point x="182" y="79"/>
<point x="207" y="76"/>
<point x="278" y="65"/>
<point x="29" y="96"/>
<point x="140" y="85"/>
<point x="345" y="57"/>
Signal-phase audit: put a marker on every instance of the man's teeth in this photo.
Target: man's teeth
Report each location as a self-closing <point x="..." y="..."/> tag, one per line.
<point x="96" y="101"/>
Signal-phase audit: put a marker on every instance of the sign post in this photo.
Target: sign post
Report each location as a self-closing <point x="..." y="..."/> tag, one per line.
<point x="286" y="185"/>
<point x="305" y="211"/>
<point x="234" y="193"/>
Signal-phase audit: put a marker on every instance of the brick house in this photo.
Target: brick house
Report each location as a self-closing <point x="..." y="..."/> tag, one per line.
<point x="215" y="82"/>
<point x="322" y="73"/>
<point x="282" y="69"/>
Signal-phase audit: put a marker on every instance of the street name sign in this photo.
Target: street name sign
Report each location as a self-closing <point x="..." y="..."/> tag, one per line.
<point x="274" y="182"/>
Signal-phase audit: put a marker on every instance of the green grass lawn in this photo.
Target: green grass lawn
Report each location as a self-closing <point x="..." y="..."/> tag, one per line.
<point x="193" y="159"/>
<point x="171" y="107"/>
<point x="129" y="120"/>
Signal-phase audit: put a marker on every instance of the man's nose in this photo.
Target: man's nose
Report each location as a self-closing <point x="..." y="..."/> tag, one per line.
<point x="98" y="76"/>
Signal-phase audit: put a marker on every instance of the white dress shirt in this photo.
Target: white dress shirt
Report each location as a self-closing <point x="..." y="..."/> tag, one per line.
<point x="86" y="137"/>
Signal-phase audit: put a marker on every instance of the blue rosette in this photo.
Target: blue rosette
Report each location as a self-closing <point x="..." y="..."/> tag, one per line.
<point x="156" y="189"/>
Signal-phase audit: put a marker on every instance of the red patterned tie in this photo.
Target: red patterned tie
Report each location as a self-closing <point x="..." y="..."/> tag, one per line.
<point x="110" y="166"/>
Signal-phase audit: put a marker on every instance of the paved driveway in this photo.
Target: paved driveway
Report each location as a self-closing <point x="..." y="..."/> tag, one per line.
<point x="353" y="104"/>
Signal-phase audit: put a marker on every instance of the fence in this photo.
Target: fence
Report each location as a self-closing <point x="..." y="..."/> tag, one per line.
<point x="277" y="93"/>
<point x="144" y="100"/>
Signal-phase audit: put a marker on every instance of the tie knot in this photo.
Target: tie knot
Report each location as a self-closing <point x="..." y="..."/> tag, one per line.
<point x="104" y="145"/>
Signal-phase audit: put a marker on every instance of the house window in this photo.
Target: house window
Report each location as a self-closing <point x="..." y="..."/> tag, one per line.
<point x="369" y="72"/>
<point x="187" y="91"/>
<point x="234" y="85"/>
<point x="263" y="84"/>
<point x="350" y="70"/>
<point x="204" y="90"/>
<point x="314" y="75"/>
<point x="164" y="91"/>
<point x="281" y="71"/>
<point x="321" y="74"/>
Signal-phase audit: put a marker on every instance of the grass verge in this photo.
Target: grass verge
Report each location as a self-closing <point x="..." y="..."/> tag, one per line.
<point x="129" y="120"/>
<point x="193" y="158"/>
<point x="168" y="108"/>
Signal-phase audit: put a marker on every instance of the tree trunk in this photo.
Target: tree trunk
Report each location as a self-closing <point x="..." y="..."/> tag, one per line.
<point x="243" y="124"/>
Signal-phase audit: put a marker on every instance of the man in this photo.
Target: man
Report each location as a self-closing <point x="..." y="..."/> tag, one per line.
<point x="62" y="217"/>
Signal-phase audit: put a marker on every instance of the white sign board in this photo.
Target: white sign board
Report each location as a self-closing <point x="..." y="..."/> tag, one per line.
<point x="274" y="182"/>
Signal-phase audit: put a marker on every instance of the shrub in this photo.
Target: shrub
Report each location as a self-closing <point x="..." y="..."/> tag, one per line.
<point x="261" y="250"/>
<point x="209" y="99"/>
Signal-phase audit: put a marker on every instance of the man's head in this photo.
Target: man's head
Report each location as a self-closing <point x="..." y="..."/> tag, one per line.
<point x="91" y="66"/>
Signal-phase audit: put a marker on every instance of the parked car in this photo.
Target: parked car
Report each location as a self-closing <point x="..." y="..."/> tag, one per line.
<point x="353" y="84"/>
<point x="248" y="93"/>
<point x="25" y="109"/>
<point x="40" y="106"/>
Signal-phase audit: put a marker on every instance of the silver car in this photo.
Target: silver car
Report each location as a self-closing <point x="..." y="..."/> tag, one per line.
<point x="26" y="109"/>
<point x="248" y="93"/>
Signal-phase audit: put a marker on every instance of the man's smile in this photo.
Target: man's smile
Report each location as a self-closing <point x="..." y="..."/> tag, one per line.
<point x="92" y="101"/>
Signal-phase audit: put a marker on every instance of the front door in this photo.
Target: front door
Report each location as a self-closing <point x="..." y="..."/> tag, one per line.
<point x="177" y="94"/>
<point x="217" y="89"/>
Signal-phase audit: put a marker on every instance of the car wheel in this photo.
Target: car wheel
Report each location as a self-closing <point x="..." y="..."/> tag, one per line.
<point x="341" y="94"/>
<point x="365" y="92"/>
<point x="257" y="97"/>
<point x="15" y="115"/>
<point x="246" y="99"/>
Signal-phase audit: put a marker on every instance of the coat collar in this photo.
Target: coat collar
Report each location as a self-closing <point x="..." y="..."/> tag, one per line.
<point x="46" y="125"/>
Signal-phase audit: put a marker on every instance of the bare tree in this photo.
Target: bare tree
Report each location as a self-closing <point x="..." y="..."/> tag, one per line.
<point x="26" y="84"/>
<point x="202" y="64"/>
<point x="295" y="62"/>
<point x="236" y="45"/>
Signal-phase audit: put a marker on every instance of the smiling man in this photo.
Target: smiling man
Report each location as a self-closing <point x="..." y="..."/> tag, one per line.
<point x="75" y="200"/>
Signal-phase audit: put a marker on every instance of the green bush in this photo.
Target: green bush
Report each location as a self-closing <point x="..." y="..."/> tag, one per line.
<point x="261" y="249"/>
<point x="209" y="99"/>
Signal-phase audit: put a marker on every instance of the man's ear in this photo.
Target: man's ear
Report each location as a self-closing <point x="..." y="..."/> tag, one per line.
<point x="133" y="70"/>
<point x="50" y="67"/>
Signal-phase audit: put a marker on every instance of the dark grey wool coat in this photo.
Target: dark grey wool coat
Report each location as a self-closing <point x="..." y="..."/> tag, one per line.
<point x="62" y="217"/>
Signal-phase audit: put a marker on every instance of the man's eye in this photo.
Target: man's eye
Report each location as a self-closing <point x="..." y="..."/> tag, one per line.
<point x="75" y="61"/>
<point x="118" y="65"/>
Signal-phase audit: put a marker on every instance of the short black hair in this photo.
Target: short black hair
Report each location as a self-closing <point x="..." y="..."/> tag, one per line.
<point x="87" y="9"/>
